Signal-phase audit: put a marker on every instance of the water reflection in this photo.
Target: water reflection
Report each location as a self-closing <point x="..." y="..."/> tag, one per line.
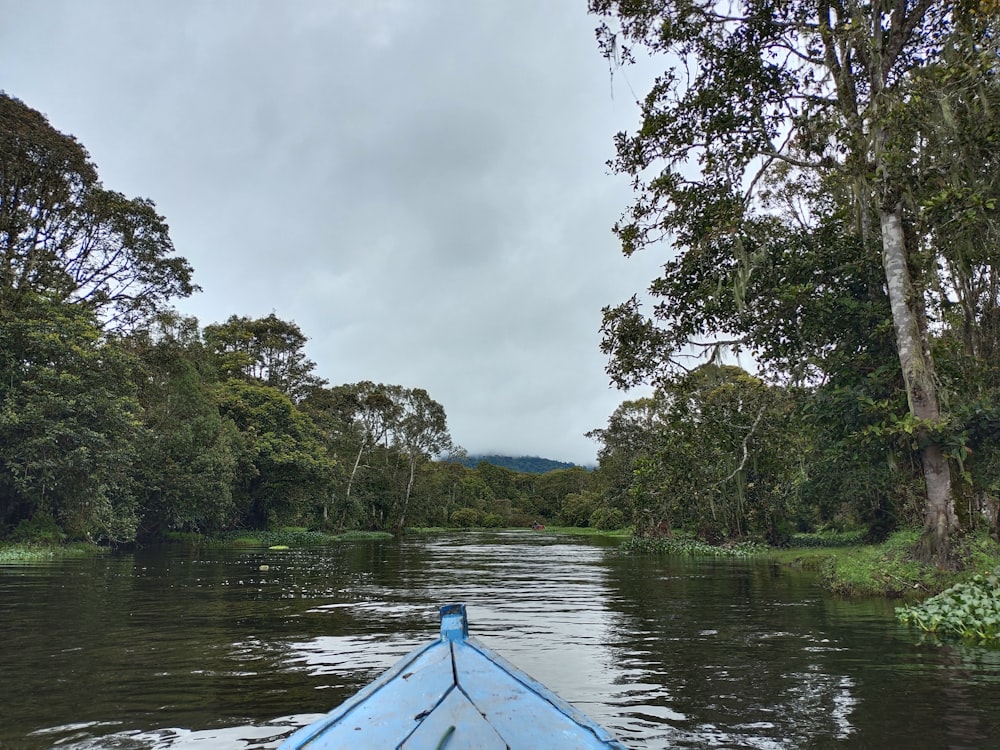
<point x="185" y="647"/>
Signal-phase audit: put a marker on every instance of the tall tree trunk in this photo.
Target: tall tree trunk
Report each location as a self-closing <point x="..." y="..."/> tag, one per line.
<point x="940" y="519"/>
<point x="409" y="489"/>
<point x="357" y="462"/>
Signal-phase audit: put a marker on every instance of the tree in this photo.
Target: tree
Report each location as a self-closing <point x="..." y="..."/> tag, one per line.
<point x="268" y="350"/>
<point x="64" y="236"/>
<point x="68" y="422"/>
<point x="550" y="489"/>
<point x="374" y="410"/>
<point x="190" y="453"/>
<point x="421" y="433"/>
<point x="716" y="451"/>
<point x="290" y="472"/>
<point x="630" y="437"/>
<point x="783" y="91"/>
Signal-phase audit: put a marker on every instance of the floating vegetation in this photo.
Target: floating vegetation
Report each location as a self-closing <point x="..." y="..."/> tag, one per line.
<point x="26" y="553"/>
<point x="969" y="610"/>
<point x="827" y="539"/>
<point x="284" y="539"/>
<point x="692" y="547"/>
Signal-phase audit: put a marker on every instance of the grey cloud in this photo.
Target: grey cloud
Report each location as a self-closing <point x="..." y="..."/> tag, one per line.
<point x="419" y="185"/>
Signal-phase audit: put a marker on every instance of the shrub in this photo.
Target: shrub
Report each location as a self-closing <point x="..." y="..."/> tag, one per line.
<point x="607" y="519"/>
<point x="493" y="521"/>
<point x="41" y="529"/>
<point x="467" y="517"/>
<point x="577" y="509"/>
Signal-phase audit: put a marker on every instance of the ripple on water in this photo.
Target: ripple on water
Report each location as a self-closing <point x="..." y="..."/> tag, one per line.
<point x="176" y="649"/>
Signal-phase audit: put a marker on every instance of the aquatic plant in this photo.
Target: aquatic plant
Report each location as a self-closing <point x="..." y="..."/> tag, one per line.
<point x="291" y="537"/>
<point x="969" y="610"/>
<point x="824" y="539"/>
<point x="691" y="547"/>
<point x="25" y="553"/>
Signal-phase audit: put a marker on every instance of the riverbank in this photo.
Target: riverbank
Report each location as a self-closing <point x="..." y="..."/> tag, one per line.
<point x="847" y="566"/>
<point x="888" y="570"/>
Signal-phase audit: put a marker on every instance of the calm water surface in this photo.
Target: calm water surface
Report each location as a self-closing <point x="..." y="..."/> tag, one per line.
<point x="200" y="648"/>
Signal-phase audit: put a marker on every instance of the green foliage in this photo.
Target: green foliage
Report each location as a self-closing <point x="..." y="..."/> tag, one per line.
<point x="121" y="419"/>
<point x="191" y="452"/>
<point x="548" y="491"/>
<point x="19" y="553"/>
<point x="969" y="610"/>
<point x="493" y="521"/>
<point x="577" y="509"/>
<point x="467" y="518"/>
<point x="717" y="452"/>
<point x="807" y="169"/>
<point x="607" y="519"/>
<point x="68" y="424"/>
<point x="290" y="538"/>
<point x="40" y="529"/>
<point x="290" y="472"/>
<point x="267" y="350"/>
<point x="68" y="239"/>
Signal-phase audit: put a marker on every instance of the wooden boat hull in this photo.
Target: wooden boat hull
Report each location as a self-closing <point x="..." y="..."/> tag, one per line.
<point x="453" y="694"/>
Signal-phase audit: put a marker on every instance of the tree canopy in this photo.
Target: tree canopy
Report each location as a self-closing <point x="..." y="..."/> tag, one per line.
<point x="64" y="236"/>
<point x="793" y="153"/>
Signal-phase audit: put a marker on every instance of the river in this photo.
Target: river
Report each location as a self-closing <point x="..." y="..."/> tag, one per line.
<point x="201" y="647"/>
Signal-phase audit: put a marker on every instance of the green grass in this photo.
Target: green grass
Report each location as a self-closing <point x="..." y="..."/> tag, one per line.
<point x="889" y="570"/>
<point x="848" y="567"/>
<point x="886" y="570"/>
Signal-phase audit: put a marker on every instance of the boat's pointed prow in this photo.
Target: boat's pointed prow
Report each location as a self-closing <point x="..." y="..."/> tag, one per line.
<point x="454" y="623"/>
<point x="456" y="692"/>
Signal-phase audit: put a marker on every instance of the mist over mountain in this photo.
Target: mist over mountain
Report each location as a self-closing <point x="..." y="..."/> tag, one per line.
<point x="523" y="464"/>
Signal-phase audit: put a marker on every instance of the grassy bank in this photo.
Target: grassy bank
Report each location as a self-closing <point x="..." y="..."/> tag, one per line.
<point x="847" y="566"/>
<point x="889" y="570"/>
<point x="962" y="603"/>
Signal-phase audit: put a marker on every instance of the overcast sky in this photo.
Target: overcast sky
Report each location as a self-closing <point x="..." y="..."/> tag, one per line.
<point x="419" y="184"/>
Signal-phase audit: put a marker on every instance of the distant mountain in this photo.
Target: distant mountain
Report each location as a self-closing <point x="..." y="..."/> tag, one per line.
<point x="523" y="464"/>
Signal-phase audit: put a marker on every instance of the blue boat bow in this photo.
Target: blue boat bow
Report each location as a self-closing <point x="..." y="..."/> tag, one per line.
<point x="454" y="694"/>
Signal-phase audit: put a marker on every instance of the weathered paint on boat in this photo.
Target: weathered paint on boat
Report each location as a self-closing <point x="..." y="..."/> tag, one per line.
<point x="453" y="694"/>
